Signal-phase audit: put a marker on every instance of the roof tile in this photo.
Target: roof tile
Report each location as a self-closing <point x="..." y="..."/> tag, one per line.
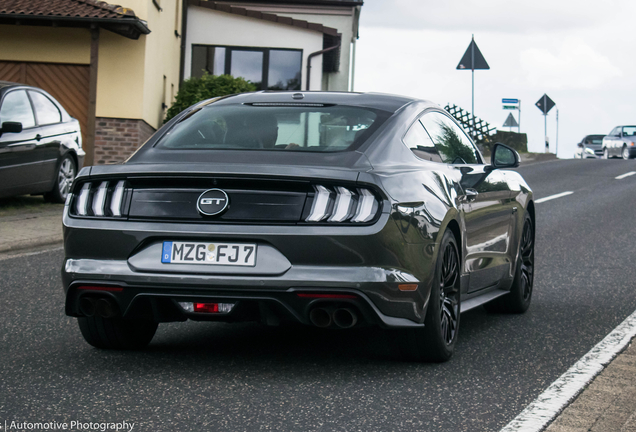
<point x="65" y="8"/>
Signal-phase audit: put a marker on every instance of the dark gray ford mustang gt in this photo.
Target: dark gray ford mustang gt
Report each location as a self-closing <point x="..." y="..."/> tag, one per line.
<point x="336" y="210"/>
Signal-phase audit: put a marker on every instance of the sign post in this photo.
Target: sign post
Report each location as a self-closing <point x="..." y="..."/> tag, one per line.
<point x="473" y="59"/>
<point x="545" y="104"/>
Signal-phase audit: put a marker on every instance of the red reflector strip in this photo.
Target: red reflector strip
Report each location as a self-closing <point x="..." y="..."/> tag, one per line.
<point x="342" y="296"/>
<point x="101" y="288"/>
<point x="206" y="307"/>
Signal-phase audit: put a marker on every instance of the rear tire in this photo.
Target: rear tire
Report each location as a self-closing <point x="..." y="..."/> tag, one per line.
<point x="64" y="176"/>
<point x="520" y="295"/>
<point x="435" y="341"/>
<point x="117" y="333"/>
<point x="625" y="153"/>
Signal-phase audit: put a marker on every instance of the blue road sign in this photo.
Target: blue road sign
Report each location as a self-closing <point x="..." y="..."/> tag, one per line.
<point x="508" y="101"/>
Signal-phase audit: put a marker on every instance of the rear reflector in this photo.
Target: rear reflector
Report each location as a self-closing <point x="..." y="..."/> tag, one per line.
<point x="407" y="287"/>
<point x="332" y="296"/>
<point x="207" y="307"/>
<point x="100" y="288"/>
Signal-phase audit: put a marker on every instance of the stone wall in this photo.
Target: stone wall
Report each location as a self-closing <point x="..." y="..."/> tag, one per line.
<point x="117" y="139"/>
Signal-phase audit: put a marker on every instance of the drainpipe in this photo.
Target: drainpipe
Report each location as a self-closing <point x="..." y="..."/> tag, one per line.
<point x="184" y="46"/>
<point x="314" y="54"/>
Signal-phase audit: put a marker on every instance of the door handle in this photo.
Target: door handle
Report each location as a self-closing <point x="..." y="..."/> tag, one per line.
<point x="514" y="210"/>
<point x="471" y="194"/>
<point x="38" y="137"/>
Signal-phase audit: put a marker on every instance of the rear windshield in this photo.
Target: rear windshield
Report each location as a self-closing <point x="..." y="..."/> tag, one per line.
<point x="277" y="127"/>
<point x="594" y="139"/>
<point x="629" y="130"/>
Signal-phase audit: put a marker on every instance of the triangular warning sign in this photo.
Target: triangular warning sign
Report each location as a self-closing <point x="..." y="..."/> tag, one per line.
<point x="473" y="58"/>
<point x="510" y="121"/>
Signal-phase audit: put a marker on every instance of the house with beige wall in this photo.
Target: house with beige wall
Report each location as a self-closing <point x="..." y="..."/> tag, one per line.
<point x="114" y="68"/>
<point x="118" y="68"/>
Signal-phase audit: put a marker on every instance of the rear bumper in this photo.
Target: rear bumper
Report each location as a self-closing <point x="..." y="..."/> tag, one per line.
<point x="265" y="305"/>
<point x="367" y="263"/>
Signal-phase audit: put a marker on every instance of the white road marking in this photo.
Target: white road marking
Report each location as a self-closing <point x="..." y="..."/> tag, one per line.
<point x="551" y="197"/>
<point x="622" y="176"/>
<point x="564" y="390"/>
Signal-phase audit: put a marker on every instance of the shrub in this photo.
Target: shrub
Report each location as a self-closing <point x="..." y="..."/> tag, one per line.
<point x="208" y="86"/>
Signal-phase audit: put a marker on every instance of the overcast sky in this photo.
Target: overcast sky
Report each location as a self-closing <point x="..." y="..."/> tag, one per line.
<point x="581" y="53"/>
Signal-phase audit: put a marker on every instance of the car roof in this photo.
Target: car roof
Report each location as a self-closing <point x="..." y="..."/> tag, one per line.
<point x="385" y="102"/>
<point x="4" y="84"/>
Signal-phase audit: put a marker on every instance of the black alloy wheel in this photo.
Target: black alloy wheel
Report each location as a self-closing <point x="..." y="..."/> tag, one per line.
<point x="436" y="340"/>
<point x="65" y="174"/>
<point x="520" y="295"/>
<point x="527" y="261"/>
<point x="449" y="294"/>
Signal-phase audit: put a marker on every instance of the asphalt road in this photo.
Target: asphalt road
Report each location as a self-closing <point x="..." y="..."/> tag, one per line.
<point x="216" y="377"/>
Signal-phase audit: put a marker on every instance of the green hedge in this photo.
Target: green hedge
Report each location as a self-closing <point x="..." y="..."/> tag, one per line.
<point x="208" y="86"/>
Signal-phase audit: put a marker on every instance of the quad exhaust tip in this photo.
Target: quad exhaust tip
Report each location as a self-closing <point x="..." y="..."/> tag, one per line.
<point x="100" y="306"/>
<point x="87" y="306"/>
<point x="341" y="317"/>
<point x="320" y="317"/>
<point x="345" y="318"/>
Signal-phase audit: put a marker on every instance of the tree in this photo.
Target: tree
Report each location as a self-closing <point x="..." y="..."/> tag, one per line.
<point x="452" y="148"/>
<point x="207" y="86"/>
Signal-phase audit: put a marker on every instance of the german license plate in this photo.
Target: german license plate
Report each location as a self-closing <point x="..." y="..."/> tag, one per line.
<point x="236" y="254"/>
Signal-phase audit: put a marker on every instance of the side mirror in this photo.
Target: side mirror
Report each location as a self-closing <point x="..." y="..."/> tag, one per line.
<point x="504" y="157"/>
<point x="11" y="127"/>
<point x="580" y="144"/>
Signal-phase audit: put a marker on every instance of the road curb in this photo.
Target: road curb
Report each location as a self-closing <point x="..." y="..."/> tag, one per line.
<point x="535" y="158"/>
<point x="33" y="243"/>
<point x="561" y="393"/>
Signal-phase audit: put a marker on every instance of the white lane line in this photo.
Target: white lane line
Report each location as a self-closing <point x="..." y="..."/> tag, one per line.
<point x="551" y="197"/>
<point x="622" y="176"/>
<point x="564" y="390"/>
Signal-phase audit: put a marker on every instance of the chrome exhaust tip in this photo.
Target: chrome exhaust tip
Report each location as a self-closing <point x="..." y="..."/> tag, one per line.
<point x="87" y="306"/>
<point x="320" y="317"/>
<point x="345" y="318"/>
<point x="106" y="308"/>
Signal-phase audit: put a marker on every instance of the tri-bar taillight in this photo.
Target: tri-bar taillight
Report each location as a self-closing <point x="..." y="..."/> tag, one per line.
<point x="341" y="204"/>
<point x="101" y="199"/>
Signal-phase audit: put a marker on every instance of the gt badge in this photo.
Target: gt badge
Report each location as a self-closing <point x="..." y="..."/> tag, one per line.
<point x="212" y="202"/>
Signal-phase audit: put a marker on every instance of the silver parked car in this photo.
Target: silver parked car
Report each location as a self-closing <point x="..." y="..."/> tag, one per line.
<point x="590" y="147"/>
<point x="620" y="142"/>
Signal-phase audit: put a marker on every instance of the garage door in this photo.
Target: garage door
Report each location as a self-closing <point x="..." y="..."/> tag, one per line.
<point x="66" y="83"/>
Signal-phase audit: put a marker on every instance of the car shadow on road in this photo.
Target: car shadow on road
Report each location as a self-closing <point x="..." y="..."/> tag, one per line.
<point x="252" y="345"/>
